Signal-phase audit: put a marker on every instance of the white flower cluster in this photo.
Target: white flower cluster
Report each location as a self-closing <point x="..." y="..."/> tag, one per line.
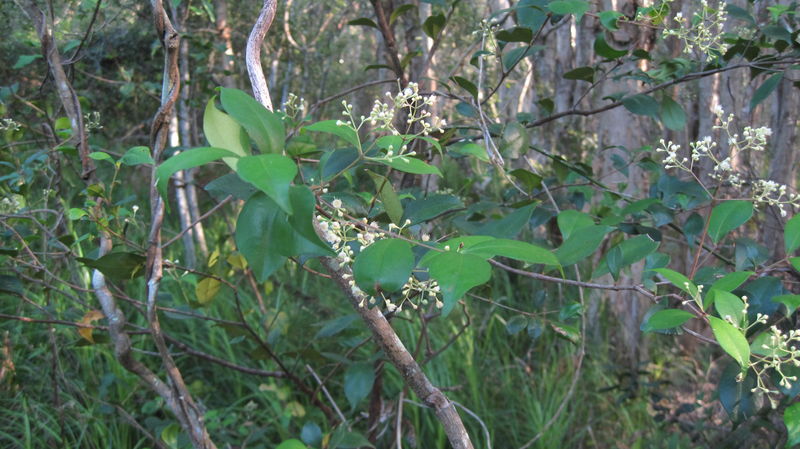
<point x="344" y="235"/>
<point x="91" y="121"/>
<point x="781" y="349"/>
<point x="293" y="105"/>
<point x="11" y="204"/>
<point x="421" y="292"/>
<point x="765" y="192"/>
<point x="382" y="116"/>
<point x="703" y="31"/>
<point x="8" y="124"/>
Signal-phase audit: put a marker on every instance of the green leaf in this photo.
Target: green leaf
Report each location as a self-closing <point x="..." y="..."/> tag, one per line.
<point x="792" y="302"/>
<point x="388" y="197"/>
<point x="667" y="319"/>
<point x="765" y="89"/>
<point x="728" y="305"/>
<point x="732" y="340"/>
<point x="470" y="149"/>
<point x="184" y="160"/>
<point x="678" y="280"/>
<point x="400" y="10"/>
<point x="566" y="331"/>
<point x="456" y="273"/>
<point x="24" y="60"/>
<point x="292" y="444"/>
<point x="345" y="132"/>
<point x="581" y="244"/>
<point x="565" y="7"/>
<point x="791" y="234"/>
<point x="433" y="206"/>
<point x="572" y="220"/>
<point x="672" y="114"/>
<point x="641" y="104"/>
<point x="137" y="156"/>
<point x="117" y="266"/>
<point x="731" y="281"/>
<point x="735" y="395"/>
<point x="358" y="380"/>
<point x="516" y="324"/>
<point x="262" y="125"/>
<point x="255" y="235"/>
<point x="515" y="140"/>
<point x="467" y="85"/>
<point x="11" y="285"/>
<point x="513" y="249"/>
<point x="410" y="164"/>
<point x="514" y="56"/>
<point x="728" y="216"/>
<point x="791" y="417"/>
<point x="384" y="266"/>
<point x="609" y="19"/>
<point x="433" y="25"/>
<point x="629" y="251"/>
<point x="266" y="235"/>
<point x="222" y="131"/>
<point x="206" y="290"/>
<point x="581" y="73"/>
<point x="602" y="48"/>
<point x="270" y="173"/>
<point x="345" y="439"/>
<point x="363" y="21"/>
<point x="101" y="156"/>
<point x="76" y="213"/>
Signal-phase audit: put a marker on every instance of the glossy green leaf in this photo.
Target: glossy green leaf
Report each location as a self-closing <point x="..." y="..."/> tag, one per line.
<point x="270" y="173"/>
<point x="137" y="156"/>
<point x="581" y="244"/>
<point x="410" y="164"/>
<point x="292" y="444"/>
<point x="728" y="216"/>
<point x="609" y="19"/>
<point x="345" y="132"/>
<point x="222" y="131"/>
<point x="185" y="160"/>
<point x="791" y="417"/>
<point x="672" y="114"/>
<point x="732" y="340"/>
<point x="433" y="25"/>
<point x="467" y="85"/>
<point x="667" y="319"/>
<point x="384" y="266"/>
<point x="641" y="104"/>
<point x="118" y="266"/>
<point x="629" y="252"/>
<point x="736" y="395"/>
<point x="603" y="49"/>
<point x="765" y="89"/>
<point x="262" y="125"/>
<point x="516" y="324"/>
<point x="572" y="220"/>
<point x="581" y="73"/>
<point x="728" y="305"/>
<point x="792" y="302"/>
<point x="456" y="273"/>
<point x="566" y="331"/>
<point x="791" y="234"/>
<point x="388" y="197"/>
<point x="513" y="249"/>
<point x="731" y="281"/>
<point x="678" y="280"/>
<point x="363" y="21"/>
<point x="358" y="380"/>
<point x="564" y="7"/>
<point x="433" y="206"/>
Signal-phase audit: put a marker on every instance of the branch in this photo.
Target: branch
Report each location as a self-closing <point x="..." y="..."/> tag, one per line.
<point x="253" y="53"/>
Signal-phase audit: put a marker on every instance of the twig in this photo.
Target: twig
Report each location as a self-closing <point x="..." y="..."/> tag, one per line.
<point x="253" y="52"/>
<point x="327" y="394"/>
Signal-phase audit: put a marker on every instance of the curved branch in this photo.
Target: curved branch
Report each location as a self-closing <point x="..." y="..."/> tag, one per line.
<point x="253" y="52"/>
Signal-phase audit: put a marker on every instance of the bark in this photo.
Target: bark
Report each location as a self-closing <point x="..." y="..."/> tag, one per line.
<point x="43" y="23"/>
<point x="226" y="63"/>
<point x="253" y="52"/>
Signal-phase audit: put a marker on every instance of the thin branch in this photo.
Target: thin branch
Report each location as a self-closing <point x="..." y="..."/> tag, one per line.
<point x="253" y="52"/>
